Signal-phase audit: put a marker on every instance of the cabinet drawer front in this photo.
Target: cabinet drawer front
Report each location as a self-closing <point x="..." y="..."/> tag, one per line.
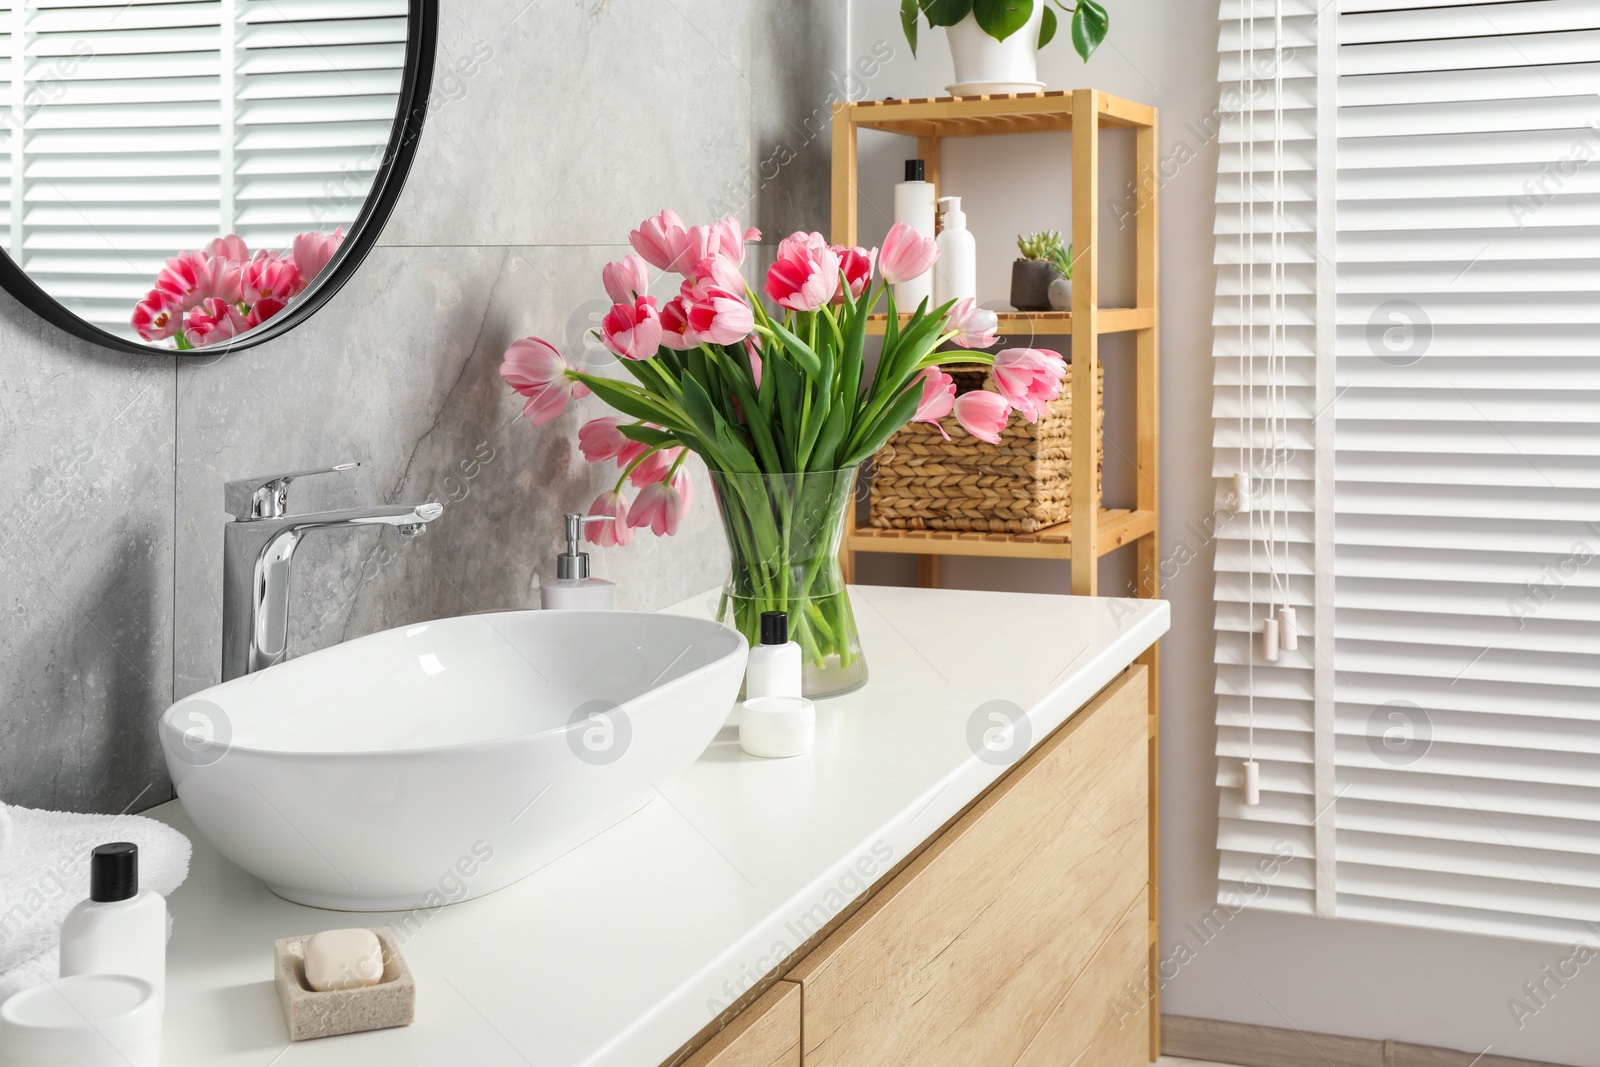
<point x="766" y="1034"/>
<point x="964" y="955"/>
<point x="1103" y="1020"/>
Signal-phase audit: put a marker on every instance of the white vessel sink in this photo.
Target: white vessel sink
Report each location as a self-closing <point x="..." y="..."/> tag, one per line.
<point x="433" y="763"/>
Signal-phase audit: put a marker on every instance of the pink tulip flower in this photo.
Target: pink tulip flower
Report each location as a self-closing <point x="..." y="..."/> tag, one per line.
<point x="675" y="332"/>
<point x="982" y="414"/>
<point x="805" y="276"/>
<point x="654" y="468"/>
<point x="1029" y="378"/>
<point x="630" y="452"/>
<point x="857" y="265"/>
<point x="717" y="316"/>
<point x="534" y="369"/>
<point x="663" y="242"/>
<point x="269" y="277"/>
<point x="192" y="277"/>
<point x="725" y="238"/>
<point x="626" y="280"/>
<point x="229" y="247"/>
<point x="313" y="250"/>
<point x="938" y="398"/>
<point x="975" y="327"/>
<point x="720" y="271"/>
<point x="263" y="310"/>
<point x="661" y="506"/>
<point x="155" y="318"/>
<point x="906" y="254"/>
<point x="632" y="331"/>
<point x="617" y="532"/>
<point x="601" y="439"/>
<point x="211" y="322"/>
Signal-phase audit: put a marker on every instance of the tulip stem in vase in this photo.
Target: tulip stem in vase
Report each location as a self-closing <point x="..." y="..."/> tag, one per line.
<point x="775" y="403"/>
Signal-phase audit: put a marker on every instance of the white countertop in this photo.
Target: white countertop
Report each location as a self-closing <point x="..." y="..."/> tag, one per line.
<point x="625" y="948"/>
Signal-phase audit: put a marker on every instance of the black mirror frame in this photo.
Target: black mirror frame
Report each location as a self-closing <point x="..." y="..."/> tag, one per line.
<point x="422" y="25"/>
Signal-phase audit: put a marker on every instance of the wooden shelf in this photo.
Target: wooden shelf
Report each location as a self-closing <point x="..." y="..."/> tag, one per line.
<point x="1116" y="527"/>
<point x="1048" y="323"/>
<point x="978" y="116"/>
<point x="1084" y="114"/>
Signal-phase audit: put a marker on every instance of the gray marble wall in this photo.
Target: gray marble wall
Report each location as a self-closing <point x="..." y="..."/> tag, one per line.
<point x="556" y="125"/>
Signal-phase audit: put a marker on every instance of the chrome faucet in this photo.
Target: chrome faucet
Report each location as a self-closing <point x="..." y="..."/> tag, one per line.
<point x="257" y="548"/>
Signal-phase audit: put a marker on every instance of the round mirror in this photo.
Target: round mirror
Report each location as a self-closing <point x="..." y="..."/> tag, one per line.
<point x="201" y="174"/>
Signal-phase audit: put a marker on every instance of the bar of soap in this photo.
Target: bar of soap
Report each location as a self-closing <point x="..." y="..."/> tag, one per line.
<point x="343" y="959"/>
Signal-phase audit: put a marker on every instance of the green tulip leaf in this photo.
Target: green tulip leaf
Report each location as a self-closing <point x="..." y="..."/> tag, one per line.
<point x="1001" y="18"/>
<point x="946" y="12"/>
<point x="1089" y="25"/>
<point x="1047" y="27"/>
<point x="649" y="435"/>
<point x="909" y="10"/>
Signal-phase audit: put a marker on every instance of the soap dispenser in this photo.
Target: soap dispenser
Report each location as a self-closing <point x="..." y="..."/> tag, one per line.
<point x="956" y="269"/>
<point x="572" y="588"/>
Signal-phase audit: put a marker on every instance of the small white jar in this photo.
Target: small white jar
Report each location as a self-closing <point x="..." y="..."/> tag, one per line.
<point x="87" y="1020"/>
<point x="777" y="727"/>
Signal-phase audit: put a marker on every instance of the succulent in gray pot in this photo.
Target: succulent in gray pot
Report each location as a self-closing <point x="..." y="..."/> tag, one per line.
<point x="1041" y="280"/>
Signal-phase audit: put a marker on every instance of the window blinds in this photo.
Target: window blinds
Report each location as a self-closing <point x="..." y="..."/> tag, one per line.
<point x="1457" y="737"/>
<point x="1277" y="697"/>
<point x="140" y="129"/>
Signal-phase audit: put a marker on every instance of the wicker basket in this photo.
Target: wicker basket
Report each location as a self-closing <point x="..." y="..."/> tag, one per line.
<point x="921" y="481"/>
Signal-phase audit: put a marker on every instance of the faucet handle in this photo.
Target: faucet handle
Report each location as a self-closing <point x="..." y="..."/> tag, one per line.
<point x="266" y="496"/>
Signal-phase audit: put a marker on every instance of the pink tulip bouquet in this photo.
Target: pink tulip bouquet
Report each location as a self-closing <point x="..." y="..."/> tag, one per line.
<point x="780" y="403"/>
<point x="212" y="295"/>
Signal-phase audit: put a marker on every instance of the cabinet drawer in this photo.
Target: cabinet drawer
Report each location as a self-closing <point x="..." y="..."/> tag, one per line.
<point x="766" y="1034"/>
<point x="962" y="958"/>
<point x="1107" y="1007"/>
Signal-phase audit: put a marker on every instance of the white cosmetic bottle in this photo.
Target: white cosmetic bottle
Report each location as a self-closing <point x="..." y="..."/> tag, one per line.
<point x="956" y="271"/>
<point x="572" y="589"/>
<point x="914" y="205"/>
<point x="118" y="930"/>
<point x="773" y="669"/>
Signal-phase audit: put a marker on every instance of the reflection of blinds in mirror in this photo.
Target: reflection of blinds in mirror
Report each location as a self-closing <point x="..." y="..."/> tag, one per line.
<point x="318" y="82"/>
<point x="139" y="129"/>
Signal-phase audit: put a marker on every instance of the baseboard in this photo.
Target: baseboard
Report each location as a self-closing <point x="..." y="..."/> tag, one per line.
<point x="1268" y="1046"/>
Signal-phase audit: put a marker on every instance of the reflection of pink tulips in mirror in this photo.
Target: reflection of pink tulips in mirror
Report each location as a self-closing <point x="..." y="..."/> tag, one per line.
<point x="212" y="295"/>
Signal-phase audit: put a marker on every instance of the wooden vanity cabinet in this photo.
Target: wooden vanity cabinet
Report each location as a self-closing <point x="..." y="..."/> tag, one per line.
<point x="1019" y="936"/>
<point x="766" y="1034"/>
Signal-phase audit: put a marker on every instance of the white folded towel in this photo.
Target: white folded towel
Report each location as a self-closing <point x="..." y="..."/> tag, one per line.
<point x="44" y="871"/>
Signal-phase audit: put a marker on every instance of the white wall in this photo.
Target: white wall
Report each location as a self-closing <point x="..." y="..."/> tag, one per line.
<point x="1331" y="976"/>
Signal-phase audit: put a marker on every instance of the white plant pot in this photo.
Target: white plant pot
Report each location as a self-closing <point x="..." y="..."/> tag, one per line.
<point x="986" y="66"/>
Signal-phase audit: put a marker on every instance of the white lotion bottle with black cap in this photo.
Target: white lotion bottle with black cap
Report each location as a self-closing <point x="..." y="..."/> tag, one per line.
<point x="773" y="669"/>
<point x="118" y="930"/>
<point x="915" y="205"/>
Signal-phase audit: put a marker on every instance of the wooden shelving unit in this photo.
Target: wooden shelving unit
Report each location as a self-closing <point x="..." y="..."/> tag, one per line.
<point x="1093" y="531"/>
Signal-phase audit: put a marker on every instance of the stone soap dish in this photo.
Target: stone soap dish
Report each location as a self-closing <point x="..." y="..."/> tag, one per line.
<point x="310" y="1014"/>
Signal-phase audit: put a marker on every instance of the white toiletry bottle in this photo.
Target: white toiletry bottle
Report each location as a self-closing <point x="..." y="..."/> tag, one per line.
<point x="118" y="930"/>
<point x="914" y="206"/>
<point x="956" y="272"/>
<point x="572" y="588"/>
<point x="773" y="669"/>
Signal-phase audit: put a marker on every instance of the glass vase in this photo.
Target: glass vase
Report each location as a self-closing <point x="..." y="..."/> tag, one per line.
<point x="783" y="534"/>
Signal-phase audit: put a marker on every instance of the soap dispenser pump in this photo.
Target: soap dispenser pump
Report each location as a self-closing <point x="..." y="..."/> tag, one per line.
<point x="956" y="269"/>
<point x="572" y="588"/>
